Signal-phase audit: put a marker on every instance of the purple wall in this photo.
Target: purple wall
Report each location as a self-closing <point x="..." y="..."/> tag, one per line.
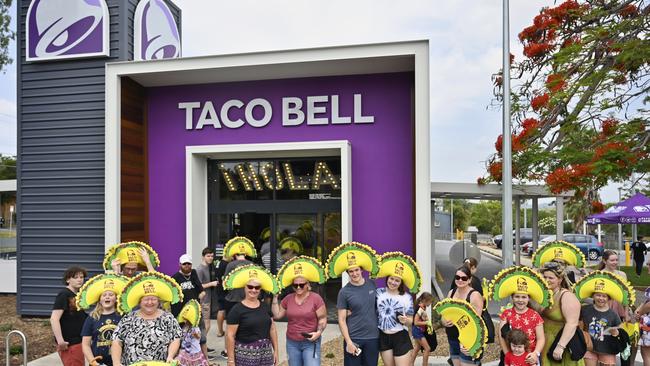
<point x="382" y="153"/>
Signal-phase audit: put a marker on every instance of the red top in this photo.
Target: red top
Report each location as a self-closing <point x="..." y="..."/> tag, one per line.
<point x="525" y="322"/>
<point x="512" y="360"/>
<point x="301" y="318"/>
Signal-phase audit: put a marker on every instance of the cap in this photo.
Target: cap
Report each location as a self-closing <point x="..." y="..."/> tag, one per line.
<point x="185" y="258"/>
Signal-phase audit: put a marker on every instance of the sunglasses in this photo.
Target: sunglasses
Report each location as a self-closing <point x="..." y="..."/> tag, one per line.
<point x="251" y="287"/>
<point x="299" y="285"/>
<point x="461" y="278"/>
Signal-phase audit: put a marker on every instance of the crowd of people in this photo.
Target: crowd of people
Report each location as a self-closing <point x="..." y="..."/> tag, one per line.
<point x="557" y="313"/>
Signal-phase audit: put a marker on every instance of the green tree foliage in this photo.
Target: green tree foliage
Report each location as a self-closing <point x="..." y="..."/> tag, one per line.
<point x="7" y="167"/>
<point x="6" y="34"/>
<point x="461" y="213"/>
<point x="579" y="98"/>
<point x="486" y="216"/>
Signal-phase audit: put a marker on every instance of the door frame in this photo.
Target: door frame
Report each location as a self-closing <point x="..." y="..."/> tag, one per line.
<point x="196" y="180"/>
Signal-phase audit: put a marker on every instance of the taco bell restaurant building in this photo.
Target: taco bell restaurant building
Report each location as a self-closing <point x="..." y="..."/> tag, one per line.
<point x="328" y="145"/>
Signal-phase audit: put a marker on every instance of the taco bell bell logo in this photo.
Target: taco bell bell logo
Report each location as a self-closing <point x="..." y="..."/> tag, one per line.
<point x="58" y="29"/>
<point x="156" y="33"/>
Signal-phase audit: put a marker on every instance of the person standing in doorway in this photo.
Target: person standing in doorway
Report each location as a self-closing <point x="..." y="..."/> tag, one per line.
<point x="208" y="278"/>
<point x="356" y="303"/>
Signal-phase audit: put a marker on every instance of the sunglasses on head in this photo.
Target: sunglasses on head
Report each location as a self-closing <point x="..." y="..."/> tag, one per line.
<point x="552" y="265"/>
<point x="251" y="287"/>
<point x="461" y="278"/>
<point x="299" y="285"/>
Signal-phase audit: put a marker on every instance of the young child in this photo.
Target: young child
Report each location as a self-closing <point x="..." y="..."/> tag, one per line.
<point x="643" y="315"/>
<point x="420" y="322"/>
<point x="602" y="324"/>
<point x="519" y="344"/>
<point x="98" y="330"/>
<point x="190" y="353"/>
<point x="67" y="321"/>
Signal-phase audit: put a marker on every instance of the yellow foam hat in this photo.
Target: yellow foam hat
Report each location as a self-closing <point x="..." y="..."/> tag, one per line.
<point x="559" y="250"/>
<point x="239" y="277"/>
<point x="350" y="255"/>
<point x="129" y="252"/>
<point x="403" y="266"/>
<point x="93" y="289"/>
<point x="302" y="266"/>
<point x="191" y="312"/>
<point x="520" y="280"/>
<point x="291" y="243"/>
<point x="239" y="245"/>
<point x="472" y="332"/>
<point x="156" y="284"/>
<point x="608" y="283"/>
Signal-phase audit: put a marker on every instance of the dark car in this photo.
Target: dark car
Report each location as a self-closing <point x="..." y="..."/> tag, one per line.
<point x="588" y="245"/>
<point x="525" y="235"/>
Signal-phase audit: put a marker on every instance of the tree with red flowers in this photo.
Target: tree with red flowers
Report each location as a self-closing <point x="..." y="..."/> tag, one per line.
<point x="579" y="95"/>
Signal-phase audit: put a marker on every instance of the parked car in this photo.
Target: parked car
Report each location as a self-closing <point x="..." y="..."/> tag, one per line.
<point x="588" y="245"/>
<point x="525" y="234"/>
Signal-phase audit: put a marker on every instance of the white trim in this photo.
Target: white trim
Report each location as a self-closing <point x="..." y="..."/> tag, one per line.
<point x="8" y="185"/>
<point x="112" y="160"/>
<point x="106" y="38"/>
<point x="196" y="193"/>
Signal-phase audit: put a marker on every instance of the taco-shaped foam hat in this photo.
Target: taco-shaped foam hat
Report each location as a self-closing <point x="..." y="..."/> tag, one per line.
<point x="239" y="245"/>
<point x="191" y="312"/>
<point x="559" y="250"/>
<point x="155" y="363"/>
<point x="302" y="266"/>
<point x="93" y="289"/>
<point x="350" y="255"/>
<point x="472" y="332"/>
<point x="156" y="284"/>
<point x="129" y="252"/>
<point x="608" y="283"/>
<point x="520" y="280"/>
<point x="403" y="266"/>
<point x="292" y="243"/>
<point x="239" y="277"/>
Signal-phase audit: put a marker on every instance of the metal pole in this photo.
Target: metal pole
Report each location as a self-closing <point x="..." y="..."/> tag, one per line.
<point x="525" y="218"/>
<point x="620" y="227"/>
<point x="517" y="232"/>
<point x="506" y="200"/>
<point x="535" y="223"/>
<point x="451" y="218"/>
<point x="559" y="217"/>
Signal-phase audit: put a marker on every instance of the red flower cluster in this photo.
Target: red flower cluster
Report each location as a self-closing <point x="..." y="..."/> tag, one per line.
<point x="496" y="170"/>
<point x="565" y="11"/>
<point x="609" y="126"/>
<point x="571" y="41"/>
<point x="481" y="181"/>
<point x="629" y="10"/>
<point x="564" y="179"/>
<point x="529" y="126"/>
<point x="597" y="207"/>
<point x="615" y="151"/>
<point x="555" y="82"/>
<point x="539" y="101"/>
<point x="533" y="50"/>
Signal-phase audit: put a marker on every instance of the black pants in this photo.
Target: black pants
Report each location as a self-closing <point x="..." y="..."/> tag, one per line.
<point x="638" y="266"/>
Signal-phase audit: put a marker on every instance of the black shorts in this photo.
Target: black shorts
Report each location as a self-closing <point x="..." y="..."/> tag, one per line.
<point x="399" y="342"/>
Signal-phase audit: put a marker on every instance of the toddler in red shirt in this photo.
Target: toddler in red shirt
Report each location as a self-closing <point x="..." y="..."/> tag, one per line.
<point x="518" y="341"/>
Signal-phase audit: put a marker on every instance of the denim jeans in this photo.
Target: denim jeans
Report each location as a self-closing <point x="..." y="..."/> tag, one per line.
<point x="303" y="353"/>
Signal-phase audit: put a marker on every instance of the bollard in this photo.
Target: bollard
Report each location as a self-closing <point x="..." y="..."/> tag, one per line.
<point x="627" y="253"/>
<point x="22" y="335"/>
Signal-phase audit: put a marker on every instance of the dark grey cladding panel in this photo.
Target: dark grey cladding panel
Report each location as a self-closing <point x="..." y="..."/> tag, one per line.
<point x="60" y="165"/>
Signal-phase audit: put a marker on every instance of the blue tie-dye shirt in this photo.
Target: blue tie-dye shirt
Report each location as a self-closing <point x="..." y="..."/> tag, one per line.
<point x="388" y="306"/>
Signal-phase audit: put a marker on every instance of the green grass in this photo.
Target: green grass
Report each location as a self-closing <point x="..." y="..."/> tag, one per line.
<point x="643" y="281"/>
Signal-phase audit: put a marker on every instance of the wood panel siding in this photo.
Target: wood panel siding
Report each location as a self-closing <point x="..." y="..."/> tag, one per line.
<point x="133" y="166"/>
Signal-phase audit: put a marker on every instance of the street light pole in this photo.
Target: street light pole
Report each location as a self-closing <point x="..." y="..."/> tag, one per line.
<point x="620" y="226"/>
<point x="506" y="180"/>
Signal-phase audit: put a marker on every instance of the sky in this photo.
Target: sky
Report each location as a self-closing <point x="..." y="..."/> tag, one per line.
<point x="465" y="50"/>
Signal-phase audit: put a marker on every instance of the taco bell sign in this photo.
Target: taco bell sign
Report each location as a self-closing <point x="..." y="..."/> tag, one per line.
<point x="156" y="35"/>
<point x="61" y="29"/>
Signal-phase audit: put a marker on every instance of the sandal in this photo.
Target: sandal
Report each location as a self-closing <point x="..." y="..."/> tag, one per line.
<point x="221" y="334"/>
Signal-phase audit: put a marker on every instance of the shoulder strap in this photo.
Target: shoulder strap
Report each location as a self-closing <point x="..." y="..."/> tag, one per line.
<point x="453" y="292"/>
<point x="469" y="295"/>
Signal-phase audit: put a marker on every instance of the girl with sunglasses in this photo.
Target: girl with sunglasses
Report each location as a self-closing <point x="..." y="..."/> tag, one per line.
<point x="463" y="291"/>
<point x="562" y="315"/>
<point x="251" y="336"/>
<point x="306" y="320"/>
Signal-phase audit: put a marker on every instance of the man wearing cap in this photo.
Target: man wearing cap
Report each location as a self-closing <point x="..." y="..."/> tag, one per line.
<point x="189" y="281"/>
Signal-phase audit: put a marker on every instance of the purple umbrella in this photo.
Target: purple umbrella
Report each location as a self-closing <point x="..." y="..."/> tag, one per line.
<point x="634" y="210"/>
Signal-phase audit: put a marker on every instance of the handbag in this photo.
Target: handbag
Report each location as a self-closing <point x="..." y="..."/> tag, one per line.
<point x="577" y="345"/>
<point x="489" y="324"/>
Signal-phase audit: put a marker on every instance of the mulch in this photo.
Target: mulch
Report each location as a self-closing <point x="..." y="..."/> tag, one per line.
<point x="40" y="340"/>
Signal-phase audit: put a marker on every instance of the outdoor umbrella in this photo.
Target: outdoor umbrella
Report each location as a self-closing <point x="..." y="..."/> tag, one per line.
<point x="634" y="210"/>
